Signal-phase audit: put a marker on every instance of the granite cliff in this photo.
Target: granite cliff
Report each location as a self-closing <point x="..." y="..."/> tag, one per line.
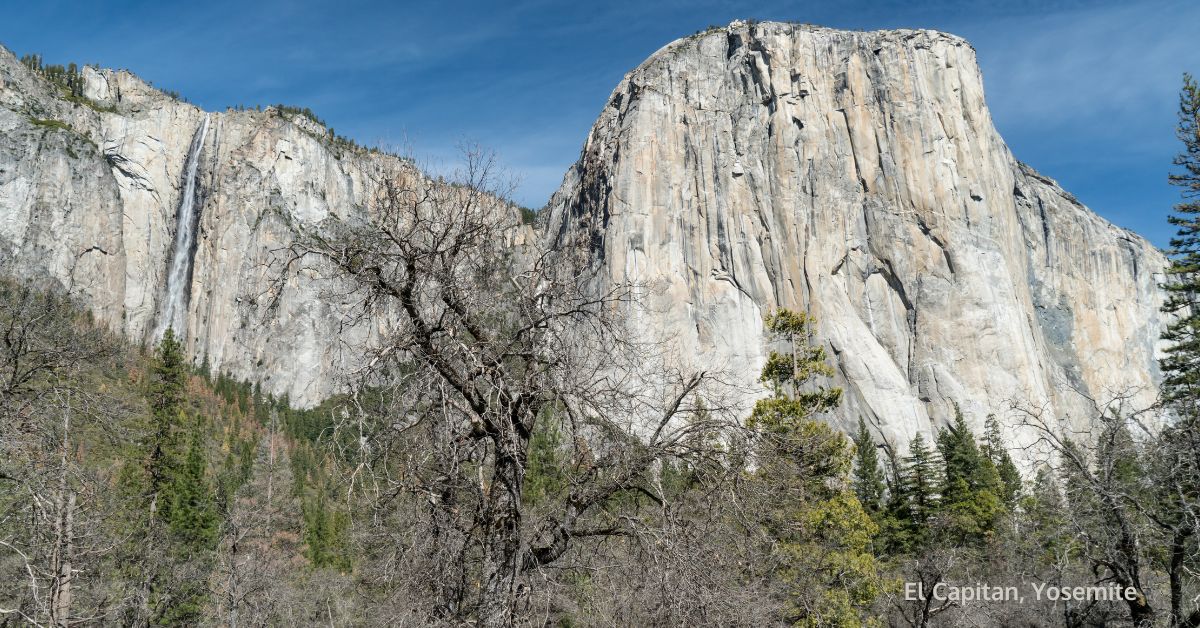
<point x="91" y="189"/>
<point x="857" y="175"/>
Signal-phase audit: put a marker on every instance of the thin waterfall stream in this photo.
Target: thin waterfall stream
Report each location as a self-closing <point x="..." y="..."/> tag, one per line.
<point x="175" y="303"/>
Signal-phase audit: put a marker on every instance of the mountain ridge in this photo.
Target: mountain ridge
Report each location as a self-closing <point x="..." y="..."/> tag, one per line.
<point x="858" y="175"/>
<point x="855" y="174"/>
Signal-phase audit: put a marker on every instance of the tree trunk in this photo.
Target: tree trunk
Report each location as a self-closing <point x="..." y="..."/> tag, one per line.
<point x="1175" y="574"/>
<point x="270" y="465"/>
<point x="502" y="546"/>
<point x="1140" y="611"/>
<point x="64" y="522"/>
<point x="60" y="591"/>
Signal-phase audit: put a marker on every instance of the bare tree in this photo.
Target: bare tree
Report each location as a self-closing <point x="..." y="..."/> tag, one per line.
<point x="483" y="341"/>
<point x="253" y="578"/>
<point x="50" y="513"/>
<point x="1131" y="483"/>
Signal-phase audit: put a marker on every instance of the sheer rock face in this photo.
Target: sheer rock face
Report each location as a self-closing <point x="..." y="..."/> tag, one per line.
<point x="858" y="175"/>
<point x="89" y="202"/>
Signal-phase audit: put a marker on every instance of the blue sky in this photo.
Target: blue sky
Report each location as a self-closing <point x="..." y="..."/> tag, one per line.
<point x="1083" y="91"/>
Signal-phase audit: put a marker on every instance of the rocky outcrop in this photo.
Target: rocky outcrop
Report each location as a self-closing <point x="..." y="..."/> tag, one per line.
<point x="90" y="186"/>
<point x="858" y="175"/>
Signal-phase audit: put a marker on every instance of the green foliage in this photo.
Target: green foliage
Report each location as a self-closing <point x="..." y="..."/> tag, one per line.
<point x="821" y="530"/>
<point x="75" y="138"/>
<point x="824" y="535"/>
<point x="189" y="499"/>
<point x="914" y="498"/>
<point x="182" y="604"/>
<point x="1120" y="464"/>
<point x="921" y="482"/>
<point x="811" y="448"/>
<point x="1044" y="513"/>
<point x="233" y="391"/>
<point x="325" y="531"/>
<point x="168" y="376"/>
<point x="168" y="492"/>
<point x="326" y="528"/>
<point x="330" y="137"/>
<point x="956" y="495"/>
<point x="52" y="124"/>
<point x="205" y="369"/>
<point x="971" y="494"/>
<point x="830" y="551"/>
<point x="545" y="475"/>
<point x="677" y="478"/>
<point x="68" y="79"/>
<point x="300" y="111"/>
<point x="799" y="364"/>
<point x="868" y="475"/>
<point x="165" y="393"/>
<point x="997" y="452"/>
<point x="236" y="468"/>
<point x="712" y="28"/>
<point x="1181" y="364"/>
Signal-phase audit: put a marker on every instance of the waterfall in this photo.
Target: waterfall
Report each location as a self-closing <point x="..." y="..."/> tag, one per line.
<point x="175" y="302"/>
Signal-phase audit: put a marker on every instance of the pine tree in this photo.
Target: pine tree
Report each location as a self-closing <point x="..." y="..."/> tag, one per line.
<point x="1118" y="456"/>
<point x="165" y="392"/>
<point x="168" y="376"/>
<point x="1181" y="366"/>
<point x="546" y="477"/>
<point x="192" y="516"/>
<point x="921" y="481"/>
<point x="1046" y="533"/>
<point x="914" y="499"/>
<point x="324" y="532"/>
<point x="971" y="486"/>
<point x="868" y="477"/>
<point x="896" y="528"/>
<point x="996" y="451"/>
<point x="1178" y="472"/>
<point x="189" y="511"/>
<point x="810" y="511"/>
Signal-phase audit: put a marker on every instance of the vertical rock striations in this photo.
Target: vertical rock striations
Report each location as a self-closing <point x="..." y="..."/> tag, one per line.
<point x="858" y="175"/>
<point x="92" y="197"/>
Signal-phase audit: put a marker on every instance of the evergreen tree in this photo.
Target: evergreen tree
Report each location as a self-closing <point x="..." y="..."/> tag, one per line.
<point x="165" y="391"/>
<point x="168" y="376"/>
<point x="1181" y="366"/>
<point x="546" y="477"/>
<point x="996" y="451"/>
<point x="818" y="525"/>
<point x="921" y="482"/>
<point x="971" y="487"/>
<point x="192" y="515"/>
<point x="896" y="527"/>
<point x="868" y="477"/>
<point x="1118" y="457"/>
<point x="1043" y="511"/>
<point x="1175" y="468"/>
<point x="324" y="532"/>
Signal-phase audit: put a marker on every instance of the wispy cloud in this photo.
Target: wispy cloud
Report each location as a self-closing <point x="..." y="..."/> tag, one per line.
<point x="1083" y="89"/>
<point x="1088" y="67"/>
